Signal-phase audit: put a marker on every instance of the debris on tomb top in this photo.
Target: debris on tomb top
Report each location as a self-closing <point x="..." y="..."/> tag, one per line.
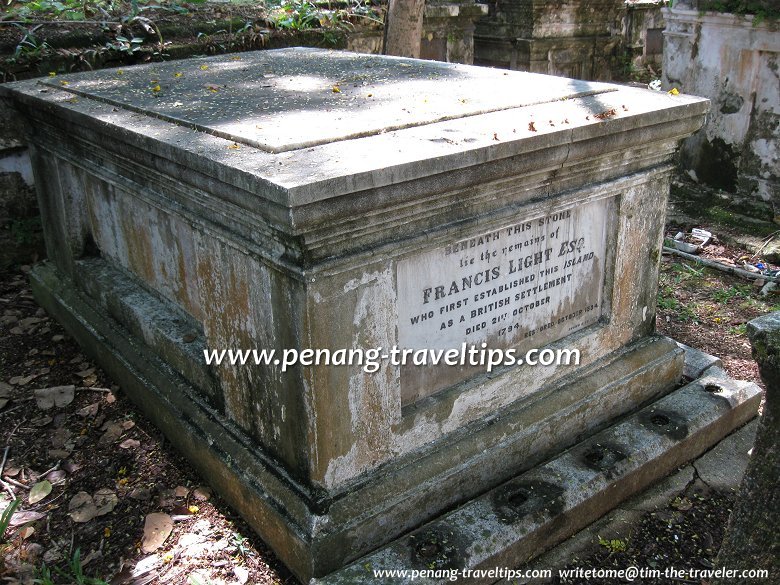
<point x="294" y="98"/>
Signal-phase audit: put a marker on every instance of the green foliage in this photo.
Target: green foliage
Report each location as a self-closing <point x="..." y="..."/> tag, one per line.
<point x="614" y="545"/>
<point x="125" y="45"/>
<point x="761" y="9"/>
<point x="5" y="521"/>
<point x="297" y="15"/>
<point x="724" y="295"/>
<point x="26" y="231"/>
<point x="738" y="329"/>
<point x="26" y="10"/>
<point x="61" y="9"/>
<point x="668" y="302"/>
<point x="239" y="544"/>
<point x="30" y="47"/>
<point x="73" y="574"/>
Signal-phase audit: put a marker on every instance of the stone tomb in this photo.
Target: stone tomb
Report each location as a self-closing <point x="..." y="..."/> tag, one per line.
<point x="302" y="198"/>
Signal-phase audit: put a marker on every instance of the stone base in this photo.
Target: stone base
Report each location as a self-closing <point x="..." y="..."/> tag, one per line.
<point x="315" y="532"/>
<point x="515" y="522"/>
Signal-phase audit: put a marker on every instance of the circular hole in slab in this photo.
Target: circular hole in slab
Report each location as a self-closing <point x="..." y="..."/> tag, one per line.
<point x="660" y="420"/>
<point x="428" y="550"/>
<point x="518" y="498"/>
<point x="595" y="455"/>
<point x="713" y="388"/>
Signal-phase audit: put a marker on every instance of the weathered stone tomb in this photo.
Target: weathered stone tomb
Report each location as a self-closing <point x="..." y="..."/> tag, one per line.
<point x="301" y="198"/>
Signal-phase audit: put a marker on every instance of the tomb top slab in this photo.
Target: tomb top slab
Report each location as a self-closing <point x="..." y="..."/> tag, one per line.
<point x="297" y="126"/>
<point x="289" y="99"/>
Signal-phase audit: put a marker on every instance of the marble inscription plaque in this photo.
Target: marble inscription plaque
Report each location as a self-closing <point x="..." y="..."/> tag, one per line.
<point x="521" y="286"/>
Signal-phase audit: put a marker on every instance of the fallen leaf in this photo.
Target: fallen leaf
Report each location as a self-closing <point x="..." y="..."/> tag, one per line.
<point x="71" y="467"/>
<point x="56" y="477"/>
<point x="22" y="380"/>
<point x="58" y="396"/>
<point x="89" y="410"/>
<point x="682" y="504"/>
<point x="113" y="430"/>
<point x="146" y="565"/>
<point x="242" y="574"/>
<point x="39" y="491"/>
<point x="59" y="438"/>
<point x="157" y="528"/>
<point x="142" y="494"/>
<point x="192" y="545"/>
<point x="130" y="444"/>
<point x="52" y="555"/>
<point x="24" y="517"/>
<point x="82" y="508"/>
<point x="105" y="501"/>
<point x="201" y="493"/>
<point x="198" y="578"/>
<point x="182" y="511"/>
<point x="26" y="532"/>
<point x="41" y="422"/>
<point x="93" y="555"/>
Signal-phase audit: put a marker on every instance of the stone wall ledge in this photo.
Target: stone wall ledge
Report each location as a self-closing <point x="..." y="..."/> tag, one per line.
<point x="721" y="19"/>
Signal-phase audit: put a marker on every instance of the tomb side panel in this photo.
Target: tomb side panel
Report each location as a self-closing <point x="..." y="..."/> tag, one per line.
<point x="249" y="305"/>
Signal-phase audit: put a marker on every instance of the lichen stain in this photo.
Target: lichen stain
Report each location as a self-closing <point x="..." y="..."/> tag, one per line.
<point x="137" y="237"/>
<point x="224" y="325"/>
<point x="373" y="398"/>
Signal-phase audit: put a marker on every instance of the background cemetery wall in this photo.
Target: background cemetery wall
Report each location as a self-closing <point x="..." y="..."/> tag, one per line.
<point x="734" y="60"/>
<point x="20" y="229"/>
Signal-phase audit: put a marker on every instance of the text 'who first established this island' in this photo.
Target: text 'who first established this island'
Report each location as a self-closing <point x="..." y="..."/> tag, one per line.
<point x="248" y="204"/>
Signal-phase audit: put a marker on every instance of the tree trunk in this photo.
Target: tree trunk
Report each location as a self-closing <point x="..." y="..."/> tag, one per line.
<point x="403" y="28"/>
<point x="752" y="539"/>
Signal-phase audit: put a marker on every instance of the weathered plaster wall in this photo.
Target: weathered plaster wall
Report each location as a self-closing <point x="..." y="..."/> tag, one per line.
<point x="448" y="32"/>
<point x="20" y="234"/>
<point x="735" y="62"/>
<point x="571" y="38"/>
<point x="643" y="25"/>
<point x="586" y="40"/>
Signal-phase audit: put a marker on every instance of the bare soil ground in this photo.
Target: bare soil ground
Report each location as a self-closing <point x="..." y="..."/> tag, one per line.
<point x="93" y="443"/>
<point x="93" y="476"/>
